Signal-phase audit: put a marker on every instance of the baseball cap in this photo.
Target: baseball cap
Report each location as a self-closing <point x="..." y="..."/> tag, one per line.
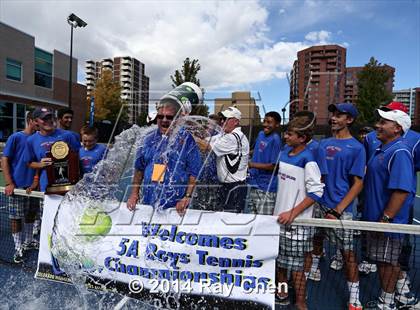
<point x="395" y="105"/>
<point x="400" y="117"/>
<point x="232" y="112"/>
<point x="344" y="108"/>
<point x="42" y="113"/>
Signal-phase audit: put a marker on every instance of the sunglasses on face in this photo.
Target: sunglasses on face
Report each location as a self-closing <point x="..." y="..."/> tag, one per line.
<point x="168" y="117"/>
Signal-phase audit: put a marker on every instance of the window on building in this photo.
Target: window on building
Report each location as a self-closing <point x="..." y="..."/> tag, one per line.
<point x="12" y="118"/>
<point x="43" y="68"/>
<point x="13" y="70"/>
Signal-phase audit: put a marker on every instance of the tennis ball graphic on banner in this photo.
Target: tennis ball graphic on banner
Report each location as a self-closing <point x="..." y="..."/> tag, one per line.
<point x="94" y="223"/>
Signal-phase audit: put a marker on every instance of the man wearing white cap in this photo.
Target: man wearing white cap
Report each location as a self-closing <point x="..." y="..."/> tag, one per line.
<point x="389" y="194"/>
<point x="232" y="151"/>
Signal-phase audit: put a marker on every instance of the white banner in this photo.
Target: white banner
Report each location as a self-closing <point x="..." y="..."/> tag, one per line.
<point x="225" y="257"/>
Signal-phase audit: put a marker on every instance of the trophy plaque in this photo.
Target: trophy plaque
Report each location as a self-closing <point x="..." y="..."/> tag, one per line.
<point x="63" y="173"/>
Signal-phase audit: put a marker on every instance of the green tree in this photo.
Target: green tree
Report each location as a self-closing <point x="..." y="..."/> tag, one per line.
<point x="142" y="119"/>
<point x="372" y="92"/>
<point x="200" y="109"/>
<point x="108" y="100"/>
<point x="188" y="73"/>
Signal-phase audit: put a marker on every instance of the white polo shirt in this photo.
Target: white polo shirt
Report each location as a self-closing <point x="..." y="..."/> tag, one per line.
<point x="228" y="168"/>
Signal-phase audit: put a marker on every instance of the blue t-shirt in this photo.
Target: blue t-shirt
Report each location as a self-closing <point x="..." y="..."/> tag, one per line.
<point x="345" y="158"/>
<point x="412" y="139"/>
<point x="389" y="169"/>
<point x="21" y="174"/>
<point x="267" y="151"/>
<point x="89" y="158"/>
<point x="313" y="146"/>
<point x="38" y="146"/>
<point x="75" y="134"/>
<point x="182" y="158"/>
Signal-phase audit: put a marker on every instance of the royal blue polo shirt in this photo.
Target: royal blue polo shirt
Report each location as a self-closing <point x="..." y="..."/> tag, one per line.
<point x="267" y="151"/>
<point x="389" y="169"/>
<point x="38" y="146"/>
<point x="410" y="137"/>
<point x="21" y="174"/>
<point x="345" y="159"/>
<point x="182" y="158"/>
<point x="89" y="158"/>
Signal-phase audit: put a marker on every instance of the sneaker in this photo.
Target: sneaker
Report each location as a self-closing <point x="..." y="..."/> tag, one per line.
<point x="315" y="276"/>
<point x="356" y="306"/>
<point x="18" y="256"/>
<point x="406" y="300"/>
<point x="336" y="263"/>
<point x="382" y="306"/>
<point x="366" y="268"/>
<point x="33" y="245"/>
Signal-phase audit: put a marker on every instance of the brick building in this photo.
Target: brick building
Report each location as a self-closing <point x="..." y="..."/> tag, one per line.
<point x="317" y="80"/>
<point x="30" y="77"/>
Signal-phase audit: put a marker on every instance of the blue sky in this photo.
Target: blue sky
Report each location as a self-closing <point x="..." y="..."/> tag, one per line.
<point x="387" y="30"/>
<point x="241" y="45"/>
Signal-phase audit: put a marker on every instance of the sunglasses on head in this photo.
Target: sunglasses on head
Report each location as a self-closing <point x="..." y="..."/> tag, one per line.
<point x="168" y="117"/>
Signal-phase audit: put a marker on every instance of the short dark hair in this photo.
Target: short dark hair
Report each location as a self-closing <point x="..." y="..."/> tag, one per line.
<point x="61" y="112"/>
<point x="276" y="116"/>
<point x="87" y="130"/>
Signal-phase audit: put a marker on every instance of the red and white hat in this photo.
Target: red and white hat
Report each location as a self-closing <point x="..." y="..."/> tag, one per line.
<point x="395" y="105"/>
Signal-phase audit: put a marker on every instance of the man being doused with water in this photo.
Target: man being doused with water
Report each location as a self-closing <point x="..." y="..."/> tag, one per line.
<point x="167" y="164"/>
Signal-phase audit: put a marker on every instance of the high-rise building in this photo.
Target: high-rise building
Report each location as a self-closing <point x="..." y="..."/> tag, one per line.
<point x="245" y="103"/>
<point x="408" y="98"/>
<point x="317" y="80"/>
<point x="31" y="77"/>
<point x="130" y="74"/>
<point x="351" y="90"/>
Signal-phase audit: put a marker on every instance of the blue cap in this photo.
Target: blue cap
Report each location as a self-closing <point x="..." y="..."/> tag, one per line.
<point x="344" y="108"/>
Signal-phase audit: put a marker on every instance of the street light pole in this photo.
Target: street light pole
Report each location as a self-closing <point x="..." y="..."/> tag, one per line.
<point x="70" y="67"/>
<point x="74" y="22"/>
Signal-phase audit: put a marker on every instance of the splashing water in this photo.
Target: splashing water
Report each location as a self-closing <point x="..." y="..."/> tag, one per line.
<point x="100" y="192"/>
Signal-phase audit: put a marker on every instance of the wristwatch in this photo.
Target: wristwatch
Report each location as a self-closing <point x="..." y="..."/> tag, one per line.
<point x="385" y="218"/>
<point x="187" y="195"/>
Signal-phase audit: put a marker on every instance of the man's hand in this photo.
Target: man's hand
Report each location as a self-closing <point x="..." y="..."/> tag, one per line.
<point x="33" y="186"/>
<point x="46" y="161"/>
<point x="132" y="201"/>
<point x="182" y="205"/>
<point x="332" y="214"/>
<point x="9" y="189"/>
<point x="203" y="145"/>
<point x="286" y="218"/>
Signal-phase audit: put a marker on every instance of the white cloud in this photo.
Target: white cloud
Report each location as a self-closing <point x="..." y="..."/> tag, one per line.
<point x="320" y="37"/>
<point x="231" y="39"/>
